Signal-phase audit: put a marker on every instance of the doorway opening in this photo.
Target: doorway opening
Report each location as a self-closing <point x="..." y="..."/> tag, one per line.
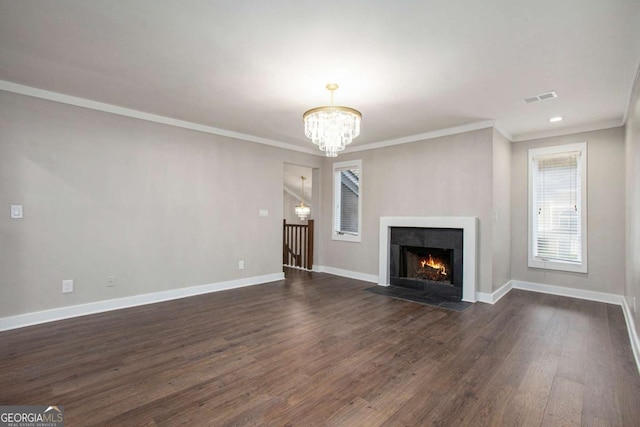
<point x="298" y="232"/>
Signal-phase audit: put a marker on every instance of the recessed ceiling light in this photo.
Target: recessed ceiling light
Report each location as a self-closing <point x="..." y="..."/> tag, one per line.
<point x="555" y="119"/>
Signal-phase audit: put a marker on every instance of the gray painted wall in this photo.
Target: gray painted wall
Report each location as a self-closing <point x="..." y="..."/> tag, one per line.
<point x="448" y="176"/>
<point x="156" y="206"/>
<point x="501" y="210"/>
<point x="605" y="213"/>
<point x="632" y="156"/>
<point x="162" y="208"/>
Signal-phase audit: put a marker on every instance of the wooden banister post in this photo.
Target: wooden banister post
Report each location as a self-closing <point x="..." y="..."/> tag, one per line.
<point x="284" y="242"/>
<point x="310" y="245"/>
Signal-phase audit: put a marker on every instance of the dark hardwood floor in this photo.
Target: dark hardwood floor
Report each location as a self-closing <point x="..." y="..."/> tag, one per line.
<point x="316" y="349"/>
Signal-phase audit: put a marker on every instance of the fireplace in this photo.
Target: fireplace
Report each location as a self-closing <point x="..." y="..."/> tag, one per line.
<point x="466" y="276"/>
<point x="427" y="259"/>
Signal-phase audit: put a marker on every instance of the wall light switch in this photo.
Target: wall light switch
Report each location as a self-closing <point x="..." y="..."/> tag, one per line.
<point x="16" y="211"/>
<point x="263" y="213"/>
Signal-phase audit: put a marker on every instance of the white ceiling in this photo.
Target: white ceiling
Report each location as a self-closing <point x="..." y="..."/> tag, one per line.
<point x="410" y="67"/>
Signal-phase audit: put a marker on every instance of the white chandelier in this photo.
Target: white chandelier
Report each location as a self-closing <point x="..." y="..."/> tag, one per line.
<point x="302" y="211"/>
<point x="331" y="127"/>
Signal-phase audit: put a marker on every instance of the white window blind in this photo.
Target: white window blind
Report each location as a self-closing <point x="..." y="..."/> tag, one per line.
<point x="348" y="187"/>
<point x="557" y="228"/>
<point x="347" y="200"/>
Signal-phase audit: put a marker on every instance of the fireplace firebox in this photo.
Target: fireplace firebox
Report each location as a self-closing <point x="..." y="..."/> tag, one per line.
<point x="427" y="259"/>
<point x="431" y="264"/>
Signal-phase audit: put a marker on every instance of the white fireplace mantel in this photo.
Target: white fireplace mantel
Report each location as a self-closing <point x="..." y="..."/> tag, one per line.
<point x="469" y="226"/>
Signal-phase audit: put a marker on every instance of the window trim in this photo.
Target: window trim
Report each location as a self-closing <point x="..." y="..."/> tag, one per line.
<point x="537" y="262"/>
<point x="335" y="234"/>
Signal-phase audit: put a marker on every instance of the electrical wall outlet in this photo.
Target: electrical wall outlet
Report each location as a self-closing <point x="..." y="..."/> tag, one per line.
<point x="67" y="286"/>
<point x="263" y="213"/>
<point x="111" y="281"/>
<point x="16" y="211"/>
<point x="241" y="264"/>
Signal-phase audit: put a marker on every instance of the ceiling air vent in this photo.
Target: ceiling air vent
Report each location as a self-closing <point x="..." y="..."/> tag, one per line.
<point x="542" y="97"/>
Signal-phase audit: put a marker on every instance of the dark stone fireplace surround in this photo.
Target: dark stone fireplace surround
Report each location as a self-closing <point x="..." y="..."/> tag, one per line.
<point x="427" y="237"/>
<point x="468" y="224"/>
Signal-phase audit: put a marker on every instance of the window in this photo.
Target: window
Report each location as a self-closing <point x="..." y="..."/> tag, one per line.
<point x="558" y="207"/>
<point x="347" y="200"/>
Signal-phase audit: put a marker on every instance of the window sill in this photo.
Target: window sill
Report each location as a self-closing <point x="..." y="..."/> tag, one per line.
<point x="346" y="237"/>
<point x="558" y="265"/>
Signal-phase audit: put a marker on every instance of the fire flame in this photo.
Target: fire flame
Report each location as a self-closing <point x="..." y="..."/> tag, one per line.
<point x="437" y="264"/>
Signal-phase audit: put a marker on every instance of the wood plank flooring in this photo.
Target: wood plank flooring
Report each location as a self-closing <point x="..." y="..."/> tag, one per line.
<point x="317" y="349"/>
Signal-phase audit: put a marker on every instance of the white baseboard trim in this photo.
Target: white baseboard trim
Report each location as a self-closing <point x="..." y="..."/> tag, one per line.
<point x="346" y="273"/>
<point x="567" y="292"/>
<point x="297" y="268"/>
<point x="495" y="296"/>
<point x="633" y="334"/>
<point x="28" y="319"/>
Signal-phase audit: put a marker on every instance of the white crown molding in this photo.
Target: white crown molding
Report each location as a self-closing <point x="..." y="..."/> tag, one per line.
<point x="607" y="124"/>
<point x="127" y="112"/>
<point x="28" y="319"/>
<point x="141" y="115"/>
<point x="503" y="133"/>
<point x="423" y="136"/>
